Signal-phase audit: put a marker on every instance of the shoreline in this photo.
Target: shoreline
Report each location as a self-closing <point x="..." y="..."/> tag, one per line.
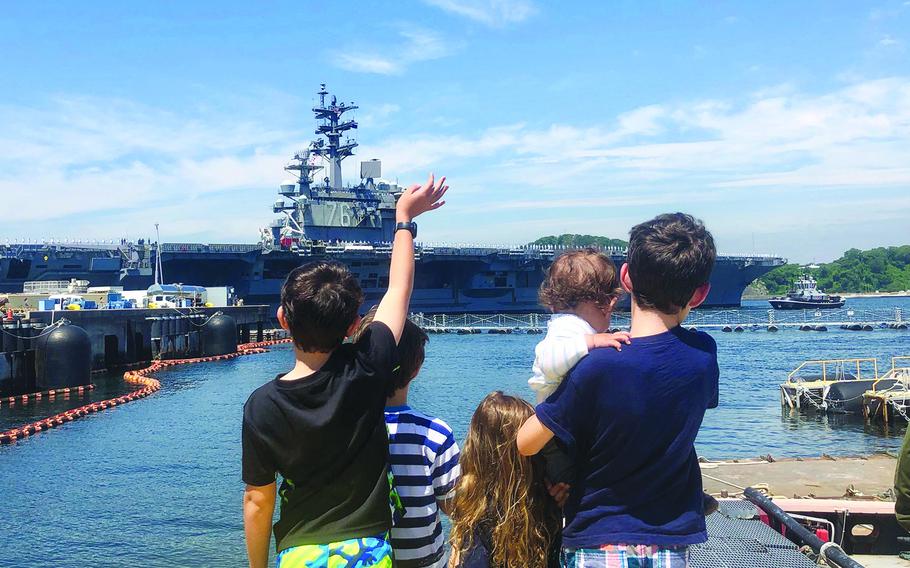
<point x="846" y="295"/>
<point x="901" y="294"/>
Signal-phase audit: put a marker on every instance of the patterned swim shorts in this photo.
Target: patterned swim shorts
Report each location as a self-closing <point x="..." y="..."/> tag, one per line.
<point x="372" y="552"/>
<point x="626" y="556"/>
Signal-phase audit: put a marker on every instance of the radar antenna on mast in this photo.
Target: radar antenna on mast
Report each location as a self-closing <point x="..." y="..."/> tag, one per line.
<point x="332" y="127"/>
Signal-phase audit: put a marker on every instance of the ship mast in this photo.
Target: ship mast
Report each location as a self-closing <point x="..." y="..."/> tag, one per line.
<point x="301" y="164"/>
<point x="159" y="272"/>
<point x="332" y="128"/>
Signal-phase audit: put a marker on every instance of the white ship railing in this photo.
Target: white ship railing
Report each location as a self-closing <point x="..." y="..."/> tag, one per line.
<point x="723" y="319"/>
<point x="437" y="248"/>
<point x="202" y="247"/>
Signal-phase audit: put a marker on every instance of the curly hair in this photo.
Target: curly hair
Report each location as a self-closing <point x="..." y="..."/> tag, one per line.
<point x="502" y="490"/>
<point x="577" y="276"/>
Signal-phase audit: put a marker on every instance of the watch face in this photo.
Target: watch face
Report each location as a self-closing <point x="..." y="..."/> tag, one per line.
<point x="412" y="227"/>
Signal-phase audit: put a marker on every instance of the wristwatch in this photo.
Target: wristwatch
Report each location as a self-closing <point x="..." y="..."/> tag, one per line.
<point x="409" y="226"/>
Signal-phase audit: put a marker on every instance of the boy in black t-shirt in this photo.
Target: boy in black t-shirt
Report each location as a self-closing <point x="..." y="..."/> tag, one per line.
<point x="321" y="425"/>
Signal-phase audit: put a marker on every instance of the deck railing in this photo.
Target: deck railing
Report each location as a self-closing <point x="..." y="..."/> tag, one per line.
<point x="734" y="319"/>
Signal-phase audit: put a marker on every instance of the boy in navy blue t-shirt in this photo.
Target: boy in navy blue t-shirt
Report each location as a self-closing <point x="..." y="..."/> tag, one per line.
<point x="630" y="418"/>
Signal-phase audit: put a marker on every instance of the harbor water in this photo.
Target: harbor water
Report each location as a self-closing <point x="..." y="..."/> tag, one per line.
<point x="157" y="482"/>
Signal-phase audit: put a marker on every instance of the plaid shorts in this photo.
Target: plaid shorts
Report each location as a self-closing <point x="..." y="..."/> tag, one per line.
<point x="626" y="556"/>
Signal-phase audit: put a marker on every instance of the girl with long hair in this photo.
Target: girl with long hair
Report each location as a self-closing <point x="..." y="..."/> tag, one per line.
<point x="503" y="515"/>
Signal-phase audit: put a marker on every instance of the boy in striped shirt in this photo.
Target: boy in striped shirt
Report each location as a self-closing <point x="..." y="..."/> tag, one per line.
<point x="423" y="456"/>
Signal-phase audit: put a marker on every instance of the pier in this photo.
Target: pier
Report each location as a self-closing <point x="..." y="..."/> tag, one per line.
<point x="865" y="319"/>
<point x="46" y="350"/>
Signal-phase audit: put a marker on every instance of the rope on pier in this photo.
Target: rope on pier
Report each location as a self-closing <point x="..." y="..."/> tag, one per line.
<point x="142" y="378"/>
<point x="44" y="331"/>
<point x="724" y="481"/>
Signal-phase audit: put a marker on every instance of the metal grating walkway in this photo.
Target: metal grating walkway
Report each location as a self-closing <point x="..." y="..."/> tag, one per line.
<point x="738" y="539"/>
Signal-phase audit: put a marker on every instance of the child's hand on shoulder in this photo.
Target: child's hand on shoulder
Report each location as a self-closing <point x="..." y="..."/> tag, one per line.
<point x="419" y="199"/>
<point x="614" y="340"/>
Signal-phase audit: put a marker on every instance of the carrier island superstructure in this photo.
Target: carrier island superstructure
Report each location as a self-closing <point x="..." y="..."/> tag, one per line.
<point x="320" y="218"/>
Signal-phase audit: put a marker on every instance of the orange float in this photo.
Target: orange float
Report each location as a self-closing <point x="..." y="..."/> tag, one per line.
<point x="142" y="378"/>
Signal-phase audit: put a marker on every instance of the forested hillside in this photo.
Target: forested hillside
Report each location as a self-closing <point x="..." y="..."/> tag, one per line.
<point x="579" y="241"/>
<point x="875" y="270"/>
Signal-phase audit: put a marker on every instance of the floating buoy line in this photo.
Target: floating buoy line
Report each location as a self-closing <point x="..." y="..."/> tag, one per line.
<point x="142" y="378"/>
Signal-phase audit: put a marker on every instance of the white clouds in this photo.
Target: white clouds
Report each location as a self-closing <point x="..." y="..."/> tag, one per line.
<point x="888" y="41"/>
<point x="394" y="57"/>
<point x="643" y="120"/>
<point x="493" y="13"/>
<point x="211" y="176"/>
<point x="778" y="146"/>
<point x="75" y="157"/>
<point x="378" y="116"/>
<point x="361" y="62"/>
<point x="422" y="45"/>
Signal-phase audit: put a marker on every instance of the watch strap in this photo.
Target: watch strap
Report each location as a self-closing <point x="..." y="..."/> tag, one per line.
<point x="410" y="226"/>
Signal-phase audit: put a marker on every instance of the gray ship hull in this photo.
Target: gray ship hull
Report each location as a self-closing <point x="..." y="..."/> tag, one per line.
<point x="447" y="280"/>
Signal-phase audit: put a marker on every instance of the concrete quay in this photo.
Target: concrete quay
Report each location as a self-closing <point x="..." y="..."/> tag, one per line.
<point x="42" y="350"/>
<point x="827" y="477"/>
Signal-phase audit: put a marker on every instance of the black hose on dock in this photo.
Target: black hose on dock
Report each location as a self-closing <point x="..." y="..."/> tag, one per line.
<point x="832" y="552"/>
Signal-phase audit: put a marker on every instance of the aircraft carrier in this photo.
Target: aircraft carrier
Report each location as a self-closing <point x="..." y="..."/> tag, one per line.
<point x="318" y="217"/>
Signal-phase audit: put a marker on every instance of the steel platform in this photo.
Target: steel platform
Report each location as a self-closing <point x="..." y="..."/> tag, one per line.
<point x="737" y="538"/>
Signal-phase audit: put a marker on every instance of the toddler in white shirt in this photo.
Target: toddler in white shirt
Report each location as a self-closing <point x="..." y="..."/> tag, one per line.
<point x="581" y="289"/>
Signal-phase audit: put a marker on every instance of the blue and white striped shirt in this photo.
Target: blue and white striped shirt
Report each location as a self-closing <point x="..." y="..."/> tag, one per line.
<point x="424" y="460"/>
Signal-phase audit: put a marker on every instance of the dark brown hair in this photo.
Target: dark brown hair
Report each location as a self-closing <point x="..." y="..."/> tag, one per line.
<point x="411" y="354"/>
<point x="579" y="276"/>
<point x="669" y="257"/>
<point x="320" y="302"/>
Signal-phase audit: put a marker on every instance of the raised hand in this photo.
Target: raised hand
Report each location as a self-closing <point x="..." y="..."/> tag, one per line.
<point x="419" y="199"/>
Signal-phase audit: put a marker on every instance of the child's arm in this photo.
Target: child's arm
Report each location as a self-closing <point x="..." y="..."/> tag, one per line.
<point x="614" y="340"/>
<point x="533" y="436"/>
<point x="445" y="473"/>
<point x="417" y="199"/>
<point x="555" y="356"/>
<point x="258" y="508"/>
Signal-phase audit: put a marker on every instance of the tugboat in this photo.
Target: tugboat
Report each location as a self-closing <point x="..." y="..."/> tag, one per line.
<point x="804" y="295"/>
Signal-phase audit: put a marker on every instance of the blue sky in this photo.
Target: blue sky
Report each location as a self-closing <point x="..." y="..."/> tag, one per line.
<point x="785" y="126"/>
